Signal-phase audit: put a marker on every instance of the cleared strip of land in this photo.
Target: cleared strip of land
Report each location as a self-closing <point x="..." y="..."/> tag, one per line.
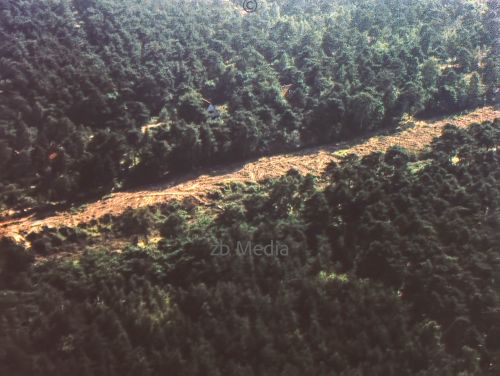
<point x="312" y="160"/>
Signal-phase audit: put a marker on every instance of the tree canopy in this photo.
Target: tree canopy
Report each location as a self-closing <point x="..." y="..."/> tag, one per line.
<point x="391" y="269"/>
<point x="80" y="79"/>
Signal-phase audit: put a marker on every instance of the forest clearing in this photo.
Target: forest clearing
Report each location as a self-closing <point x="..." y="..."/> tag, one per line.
<point x="414" y="136"/>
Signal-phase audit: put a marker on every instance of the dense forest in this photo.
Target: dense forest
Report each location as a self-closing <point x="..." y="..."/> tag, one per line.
<point x="81" y="79"/>
<point x="386" y="264"/>
<point x="392" y="268"/>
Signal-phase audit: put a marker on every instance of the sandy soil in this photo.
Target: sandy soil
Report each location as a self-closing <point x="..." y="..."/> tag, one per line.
<point x="196" y="186"/>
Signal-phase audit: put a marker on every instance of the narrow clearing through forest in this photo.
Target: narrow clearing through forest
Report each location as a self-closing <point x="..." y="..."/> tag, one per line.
<point x="312" y="160"/>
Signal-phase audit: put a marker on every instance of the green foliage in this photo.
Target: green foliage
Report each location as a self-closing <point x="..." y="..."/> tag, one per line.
<point x="136" y="222"/>
<point x="80" y="78"/>
<point x="390" y="271"/>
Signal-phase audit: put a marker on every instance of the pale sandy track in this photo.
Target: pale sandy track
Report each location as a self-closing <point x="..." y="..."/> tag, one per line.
<point x="313" y="160"/>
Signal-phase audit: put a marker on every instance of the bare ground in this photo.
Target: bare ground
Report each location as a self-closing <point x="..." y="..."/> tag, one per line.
<point x="312" y="160"/>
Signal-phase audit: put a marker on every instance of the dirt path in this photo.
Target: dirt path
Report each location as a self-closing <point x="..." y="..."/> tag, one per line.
<point x="312" y="160"/>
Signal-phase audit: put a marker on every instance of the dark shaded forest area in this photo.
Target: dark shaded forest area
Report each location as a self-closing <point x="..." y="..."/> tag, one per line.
<point x="392" y="269"/>
<point x="79" y="80"/>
